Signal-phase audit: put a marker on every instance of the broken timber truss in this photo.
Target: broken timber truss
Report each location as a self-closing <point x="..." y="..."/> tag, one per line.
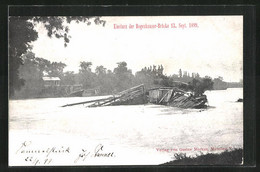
<point x="170" y="96"/>
<point x="134" y="95"/>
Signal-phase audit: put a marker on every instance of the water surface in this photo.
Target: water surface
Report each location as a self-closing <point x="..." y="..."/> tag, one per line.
<point x="150" y="133"/>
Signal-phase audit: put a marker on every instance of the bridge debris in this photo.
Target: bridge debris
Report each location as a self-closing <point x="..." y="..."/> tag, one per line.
<point x="169" y="96"/>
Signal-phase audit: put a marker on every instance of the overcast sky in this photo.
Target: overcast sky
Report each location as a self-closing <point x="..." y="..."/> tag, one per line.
<point x="214" y="48"/>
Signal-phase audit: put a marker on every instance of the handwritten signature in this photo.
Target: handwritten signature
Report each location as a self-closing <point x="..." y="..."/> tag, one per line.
<point x="98" y="152"/>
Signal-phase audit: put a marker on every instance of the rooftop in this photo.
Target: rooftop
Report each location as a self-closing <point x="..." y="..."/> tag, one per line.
<point x="46" y="78"/>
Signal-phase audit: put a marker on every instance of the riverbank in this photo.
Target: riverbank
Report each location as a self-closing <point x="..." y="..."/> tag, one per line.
<point x="233" y="157"/>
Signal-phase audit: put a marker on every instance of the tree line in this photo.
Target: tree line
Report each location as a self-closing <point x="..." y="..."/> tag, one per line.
<point x="107" y="81"/>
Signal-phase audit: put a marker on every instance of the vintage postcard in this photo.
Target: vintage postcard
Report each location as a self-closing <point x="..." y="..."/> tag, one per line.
<point x="125" y="90"/>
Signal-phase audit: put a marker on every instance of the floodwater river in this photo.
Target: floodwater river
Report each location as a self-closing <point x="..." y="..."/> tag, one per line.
<point x="133" y="135"/>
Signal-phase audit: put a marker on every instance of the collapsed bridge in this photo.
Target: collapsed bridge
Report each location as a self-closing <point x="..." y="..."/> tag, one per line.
<point x="169" y="96"/>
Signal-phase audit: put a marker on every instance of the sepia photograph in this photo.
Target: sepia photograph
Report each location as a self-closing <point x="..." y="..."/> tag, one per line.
<point x="125" y="90"/>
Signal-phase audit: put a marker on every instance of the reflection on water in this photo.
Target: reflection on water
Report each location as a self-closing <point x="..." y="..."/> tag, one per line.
<point x="136" y="126"/>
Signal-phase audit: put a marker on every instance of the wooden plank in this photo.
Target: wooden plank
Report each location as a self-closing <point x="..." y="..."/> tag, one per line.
<point x="131" y="89"/>
<point x="164" y="96"/>
<point x="100" y="104"/>
<point x="132" y="93"/>
<point x="108" y="101"/>
<point x="90" y="101"/>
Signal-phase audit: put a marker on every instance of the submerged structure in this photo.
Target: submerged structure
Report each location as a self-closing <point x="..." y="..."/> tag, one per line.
<point x="172" y="96"/>
<point x="169" y="96"/>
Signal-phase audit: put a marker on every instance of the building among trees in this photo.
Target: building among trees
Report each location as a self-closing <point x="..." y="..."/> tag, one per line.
<point x="51" y="81"/>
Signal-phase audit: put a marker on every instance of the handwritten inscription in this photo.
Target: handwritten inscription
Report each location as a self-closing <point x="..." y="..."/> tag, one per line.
<point x="40" y="156"/>
<point x="98" y="152"/>
<point x="32" y="154"/>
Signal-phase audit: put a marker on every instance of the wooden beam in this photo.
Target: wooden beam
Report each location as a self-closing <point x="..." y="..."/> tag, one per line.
<point x="164" y="96"/>
<point x="90" y="101"/>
